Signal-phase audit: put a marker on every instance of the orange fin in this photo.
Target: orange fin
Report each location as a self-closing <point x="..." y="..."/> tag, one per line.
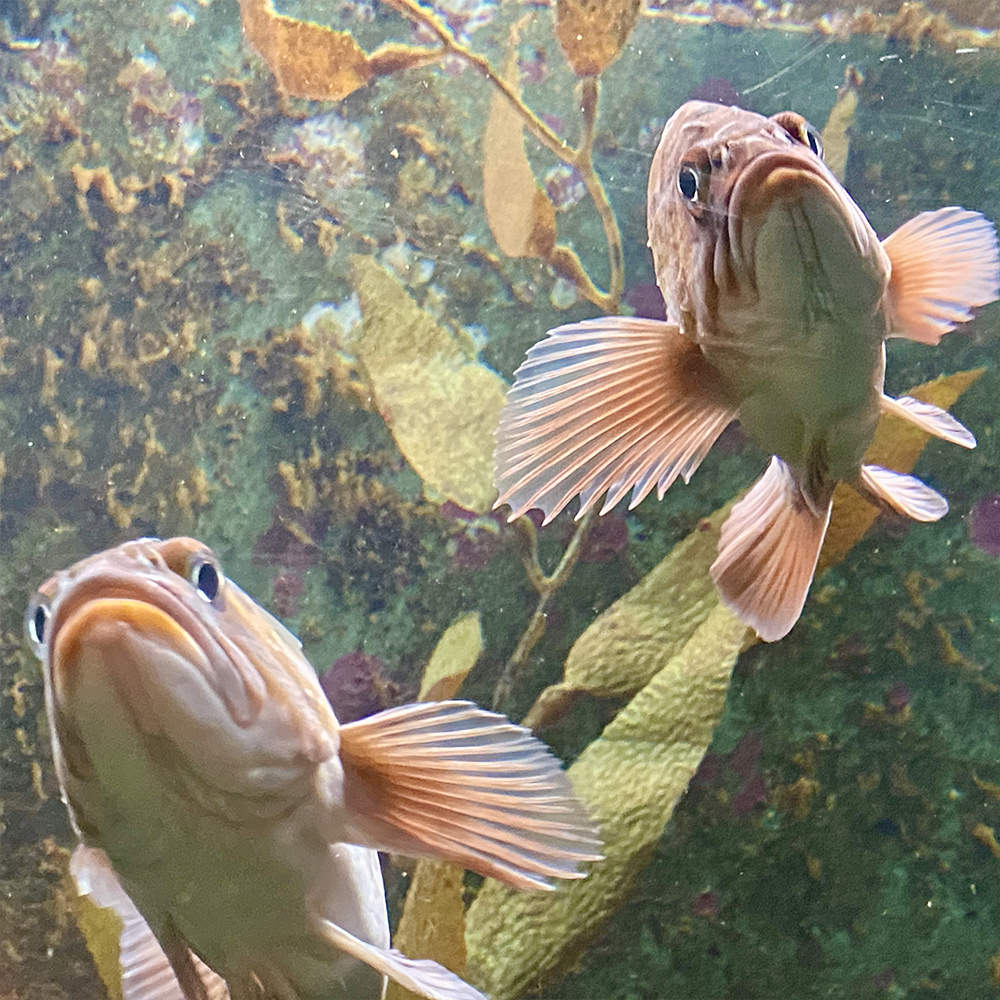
<point x="420" y="976"/>
<point x="606" y="406"/>
<point x="146" y="971"/>
<point x="943" y="264"/>
<point x="450" y="780"/>
<point x="768" y="551"/>
<point x="929" y="418"/>
<point x="903" y="493"/>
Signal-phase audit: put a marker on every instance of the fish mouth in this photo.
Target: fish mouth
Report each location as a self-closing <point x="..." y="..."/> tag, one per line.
<point x="799" y="240"/>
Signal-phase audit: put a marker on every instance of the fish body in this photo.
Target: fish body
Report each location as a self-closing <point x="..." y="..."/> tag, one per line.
<point x="779" y="298"/>
<point x="228" y="817"/>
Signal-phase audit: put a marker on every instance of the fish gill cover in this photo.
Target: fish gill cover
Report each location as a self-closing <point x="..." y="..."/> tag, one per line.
<point x="266" y="272"/>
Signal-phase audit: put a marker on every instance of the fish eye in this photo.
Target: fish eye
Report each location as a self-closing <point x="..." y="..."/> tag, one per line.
<point x="688" y="180"/>
<point x="814" y="142"/>
<point x="207" y="578"/>
<point x="36" y="622"/>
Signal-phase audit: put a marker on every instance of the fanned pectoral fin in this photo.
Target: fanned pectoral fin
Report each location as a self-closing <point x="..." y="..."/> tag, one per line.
<point x="944" y="263"/>
<point x="449" y="780"/>
<point x="420" y="976"/>
<point x="929" y="418"/>
<point x="147" y="972"/>
<point x="768" y="551"/>
<point x="606" y="406"/>
<point x="905" y="494"/>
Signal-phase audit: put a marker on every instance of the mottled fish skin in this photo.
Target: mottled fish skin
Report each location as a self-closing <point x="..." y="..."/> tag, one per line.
<point x="232" y="822"/>
<point x="779" y="297"/>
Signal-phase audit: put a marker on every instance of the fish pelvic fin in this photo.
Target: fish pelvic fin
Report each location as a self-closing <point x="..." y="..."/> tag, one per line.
<point x="929" y="418"/>
<point x="421" y="976"/>
<point x="603" y="407"/>
<point x="147" y="972"/>
<point x="768" y="551"/>
<point x="449" y="780"/>
<point x="904" y="494"/>
<point x="944" y="263"/>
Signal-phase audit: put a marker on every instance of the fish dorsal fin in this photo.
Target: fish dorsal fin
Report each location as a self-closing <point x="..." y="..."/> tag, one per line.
<point x="768" y="551"/>
<point x="449" y="780"/>
<point x="147" y="973"/>
<point x="944" y="263"/>
<point x="929" y="418"/>
<point x="606" y="406"/>
<point x="421" y="976"/>
<point x="905" y="494"/>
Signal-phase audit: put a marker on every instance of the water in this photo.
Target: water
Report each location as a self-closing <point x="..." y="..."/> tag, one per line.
<point x="168" y="367"/>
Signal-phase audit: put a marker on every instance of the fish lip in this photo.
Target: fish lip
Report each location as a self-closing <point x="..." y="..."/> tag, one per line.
<point x="774" y="175"/>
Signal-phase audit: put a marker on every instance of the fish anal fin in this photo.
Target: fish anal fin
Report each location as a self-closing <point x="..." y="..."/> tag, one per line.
<point x="420" y="976"/>
<point x="148" y="973"/>
<point x="944" y="263"/>
<point x="603" y="407"/>
<point x="929" y="418"/>
<point x="768" y="551"/>
<point x="449" y="780"/>
<point x="903" y="493"/>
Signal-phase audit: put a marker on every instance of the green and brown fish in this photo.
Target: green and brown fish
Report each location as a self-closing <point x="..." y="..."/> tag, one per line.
<point x="232" y="822"/>
<point x="779" y="299"/>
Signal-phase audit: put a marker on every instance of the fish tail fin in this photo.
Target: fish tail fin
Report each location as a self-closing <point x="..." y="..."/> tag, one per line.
<point x="421" y="976"/>
<point x="905" y="494"/>
<point x="944" y="263"/>
<point x="606" y="406"/>
<point x="768" y="551"/>
<point x="452" y="781"/>
<point x="929" y="418"/>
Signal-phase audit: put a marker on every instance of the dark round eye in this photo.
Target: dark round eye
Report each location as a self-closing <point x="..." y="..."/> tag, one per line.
<point x="205" y="576"/>
<point x="814" y="142"/>
<point x="687" y="182"/>
<point x="36" y="622"/>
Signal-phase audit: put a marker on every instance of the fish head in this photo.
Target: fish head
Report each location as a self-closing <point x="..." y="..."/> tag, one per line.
<point x="744" y="217"/>
<point x="159" y="621"/>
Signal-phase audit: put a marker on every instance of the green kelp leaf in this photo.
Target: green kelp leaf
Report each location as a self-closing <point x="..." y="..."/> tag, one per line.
<point x="433" y="921"/>
<point x="454" y="656"/>
<point x="630" y="778"/>
<point x="633" y="639"/>
<point x="441" y="404"/>
<point x="102" y="929"/>
<point x="593" y="32"/>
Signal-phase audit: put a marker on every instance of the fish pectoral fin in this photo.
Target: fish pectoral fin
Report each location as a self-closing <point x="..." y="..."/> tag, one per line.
<point x="929" y="418"/>
<point x="420" y="976"/>
<point x="147" y="972"/>
<point x="607" y="405"/>
<point x="903" y="493"/>
<point x="943" y="264"/>
<point x="768" y="551"/>
<point x="449" y="780"/>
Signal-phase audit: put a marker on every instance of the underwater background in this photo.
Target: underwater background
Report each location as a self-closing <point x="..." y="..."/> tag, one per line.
<point x="265" y="275"/>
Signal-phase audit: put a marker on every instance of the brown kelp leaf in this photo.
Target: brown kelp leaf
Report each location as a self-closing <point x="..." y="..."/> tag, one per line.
<point x="454" y="656"/>
<point x="520" y="214"/>
<point x="637" y="635"/>
<point x="836" y="132"/>
<point x="593" y="32"/>
<point x="441" y="404"/>
<point x="433" y="921"/>
<point x="315" y="62"/>
<point x="897" y="446"/>
<point x="630" y="778"/>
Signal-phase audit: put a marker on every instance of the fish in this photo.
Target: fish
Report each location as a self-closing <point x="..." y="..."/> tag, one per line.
<point x="228" y="818"/>
<point x="779" y="300"/>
